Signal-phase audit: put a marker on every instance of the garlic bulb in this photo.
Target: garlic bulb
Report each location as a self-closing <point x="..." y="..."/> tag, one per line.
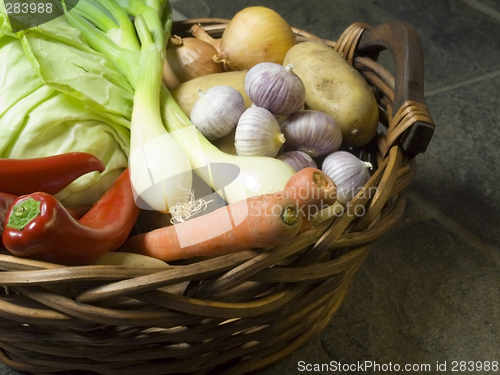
<point x="312" y="132"/>
<point x="348" y="172"/>
<point x="258" y="133"/>
<point x="297" y="160"/>
<point x="276" y="88"/>
<point x="217" y="111"/>
<point x="255" y="34"/>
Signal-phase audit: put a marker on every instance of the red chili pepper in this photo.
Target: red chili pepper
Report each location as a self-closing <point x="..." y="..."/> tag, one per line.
<point x="49" y="174"/>
<point x="7" y="199"/>
<point x="39" y="227"/>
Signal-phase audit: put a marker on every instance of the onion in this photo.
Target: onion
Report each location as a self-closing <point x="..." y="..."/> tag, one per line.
<point x="199" y="33"/>
<point x="348" y="172"/>
<point x="188" y="58"/>
<point x="255" y="34"/>
<point x="297" y="160"/>
<point x="312" y="132"/>
<point x="258" y="133"/>
<point x="217" y="111"/>
<point x="276" y="88"/>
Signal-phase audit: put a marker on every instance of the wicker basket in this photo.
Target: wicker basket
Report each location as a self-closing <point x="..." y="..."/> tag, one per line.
<point x="236" y="313"/>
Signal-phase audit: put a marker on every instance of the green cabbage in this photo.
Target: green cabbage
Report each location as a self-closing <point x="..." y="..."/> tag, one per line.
<point x="58" y="95"/>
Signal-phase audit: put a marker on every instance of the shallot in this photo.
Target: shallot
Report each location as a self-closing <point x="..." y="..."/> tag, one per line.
<point x="217" y="111"/>
<point x="348" y="172"/>
<point x="276" y="88"/>
<point x="312" y="132"/>
<point x="258" y="133"/>
<point x="298" y="160"/>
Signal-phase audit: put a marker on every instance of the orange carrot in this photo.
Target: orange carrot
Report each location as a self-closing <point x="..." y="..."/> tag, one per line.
<point x="258" y="222"/>
<point x="313" y="190"/>
<point x="311" y="187"/>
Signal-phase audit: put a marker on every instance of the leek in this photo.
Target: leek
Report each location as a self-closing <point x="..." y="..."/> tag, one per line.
<point x="160" y="170"/>
<point x="257" y="175"/>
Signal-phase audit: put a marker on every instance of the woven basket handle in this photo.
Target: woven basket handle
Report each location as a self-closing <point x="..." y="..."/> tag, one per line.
<point x="403" y="42"/>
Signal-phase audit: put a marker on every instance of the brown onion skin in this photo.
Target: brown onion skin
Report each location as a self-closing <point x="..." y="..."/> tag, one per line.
<point x="188" y="58"/>
<point x="200" y="33"/>
<point x="255" y="34"/>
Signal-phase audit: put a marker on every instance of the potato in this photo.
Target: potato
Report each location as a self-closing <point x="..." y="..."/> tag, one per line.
<point x="226" y="143"/>
<point x="187" y="94"/>
<point x="337" y="89"/>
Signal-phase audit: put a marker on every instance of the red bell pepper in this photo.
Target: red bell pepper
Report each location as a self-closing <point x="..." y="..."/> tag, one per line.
<point x="39" y="227"/>
<point x="49" y="174"/>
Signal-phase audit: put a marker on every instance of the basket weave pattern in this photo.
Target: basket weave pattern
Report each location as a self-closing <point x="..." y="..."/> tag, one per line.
<point x="232" y="314"/>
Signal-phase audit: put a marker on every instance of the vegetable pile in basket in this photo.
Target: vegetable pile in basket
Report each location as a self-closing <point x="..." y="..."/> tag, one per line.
<point x="122" y="137"/>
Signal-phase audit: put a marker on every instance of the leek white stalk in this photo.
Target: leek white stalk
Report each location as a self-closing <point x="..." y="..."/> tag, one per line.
<point x="160" y="171"/>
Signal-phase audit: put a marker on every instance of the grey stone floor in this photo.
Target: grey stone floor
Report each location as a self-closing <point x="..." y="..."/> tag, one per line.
<point x="429" y="292"/>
